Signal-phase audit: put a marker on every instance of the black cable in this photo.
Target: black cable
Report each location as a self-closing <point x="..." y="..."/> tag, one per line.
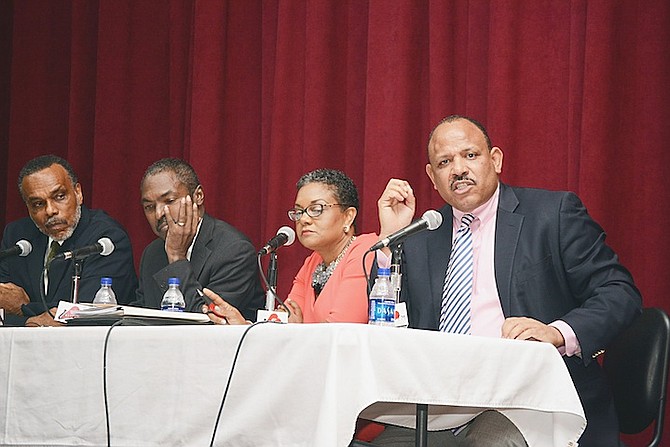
<point x="104" y="379"/>
<point x="230" y="377"/>
<point x="42" y="297"/>
<point x="271" y="289"/>
<point x="365" y="272"/>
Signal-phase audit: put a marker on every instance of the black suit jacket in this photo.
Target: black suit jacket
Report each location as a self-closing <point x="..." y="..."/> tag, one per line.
<point x="26" y="271"/>
<point x="223" y="260"/>
<point x="551" y="263"/>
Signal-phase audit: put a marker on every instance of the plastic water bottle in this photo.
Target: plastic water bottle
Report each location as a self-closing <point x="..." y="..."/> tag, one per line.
<point x="105" y="294"/>
<point x="382" y="300"/>
<point x="173" y="299"/>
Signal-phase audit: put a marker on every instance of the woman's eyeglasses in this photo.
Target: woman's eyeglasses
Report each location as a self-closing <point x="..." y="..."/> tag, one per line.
<point x="312" y="211"/>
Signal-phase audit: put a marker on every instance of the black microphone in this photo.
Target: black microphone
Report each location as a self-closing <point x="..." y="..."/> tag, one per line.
<point x="104" y="246"/>
<point x="21" y="248"/>
<point x="430" y="220"/>
<point x="285" y="236"/>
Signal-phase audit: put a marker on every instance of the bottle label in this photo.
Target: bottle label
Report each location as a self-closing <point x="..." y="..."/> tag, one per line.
<point x="382" y="311"/>
<point x="172" y="308"/>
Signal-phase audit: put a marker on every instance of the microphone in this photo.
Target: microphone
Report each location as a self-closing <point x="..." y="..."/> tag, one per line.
<point x="104" y="247"/>
<point x="285" y="236"/>
<point x="21" y="248"/>
<point x="430" y="220"/>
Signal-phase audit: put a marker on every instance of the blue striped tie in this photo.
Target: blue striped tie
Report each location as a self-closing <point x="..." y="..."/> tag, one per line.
<point x="455" y="313"/>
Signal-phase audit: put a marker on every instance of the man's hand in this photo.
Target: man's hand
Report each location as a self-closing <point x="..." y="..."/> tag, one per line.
<point x="43" y="319"/>
<point x="12" y="297"/>
<point x="396" y="207"/>
<point x="182" y="221"/>
<point x="521" y="328"/>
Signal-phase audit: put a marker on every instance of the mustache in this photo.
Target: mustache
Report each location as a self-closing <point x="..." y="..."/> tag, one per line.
<point x="52" y="221"/>
<point x="162" y="221"/>
<point x="460" y="178"/>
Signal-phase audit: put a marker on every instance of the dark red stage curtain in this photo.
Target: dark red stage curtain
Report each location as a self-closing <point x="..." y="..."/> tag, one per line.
<point x="254" y="93"/>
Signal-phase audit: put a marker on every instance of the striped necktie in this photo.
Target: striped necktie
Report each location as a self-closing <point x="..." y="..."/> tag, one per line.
<point x="457" y="290"/>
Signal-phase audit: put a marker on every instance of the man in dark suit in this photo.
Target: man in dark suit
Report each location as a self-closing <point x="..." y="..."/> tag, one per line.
<point x="58" y="217"/>
<point x="541" y="272"/>
<point x="193" y="246"/>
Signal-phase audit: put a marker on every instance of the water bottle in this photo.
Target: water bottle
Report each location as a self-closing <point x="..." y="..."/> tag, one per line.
<point x="173" y="299"/>
<point x="382" y="300"/>
<point x="105" y="294"/>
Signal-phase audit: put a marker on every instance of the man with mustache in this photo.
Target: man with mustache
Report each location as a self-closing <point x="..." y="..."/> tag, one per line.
<point x="58" y="219"/>
<point x="536" y="267"/>
<point x="193" y="246"/>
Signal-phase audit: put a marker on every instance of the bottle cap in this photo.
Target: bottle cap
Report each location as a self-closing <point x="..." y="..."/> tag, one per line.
<point x="172" y="281"/>
<point x="383" y="272"/>
<point x="105" y="281"/>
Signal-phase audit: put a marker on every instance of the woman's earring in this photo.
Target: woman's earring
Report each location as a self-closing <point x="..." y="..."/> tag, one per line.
<point x="346" y="229"/>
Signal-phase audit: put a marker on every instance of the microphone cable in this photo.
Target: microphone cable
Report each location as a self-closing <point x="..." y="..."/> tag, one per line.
<point x="104" y="372"/>
<point x="104" y="379"/>
<point x="365" y="273"/>
<point x="230" y="376"/>
<point x="41" y="287"/>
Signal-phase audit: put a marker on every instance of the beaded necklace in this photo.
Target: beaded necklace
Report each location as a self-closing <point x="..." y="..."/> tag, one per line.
<point x="322" y="271"/>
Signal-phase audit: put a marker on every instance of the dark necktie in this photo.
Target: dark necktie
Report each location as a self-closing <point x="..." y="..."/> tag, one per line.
<point x="53" y="251"/>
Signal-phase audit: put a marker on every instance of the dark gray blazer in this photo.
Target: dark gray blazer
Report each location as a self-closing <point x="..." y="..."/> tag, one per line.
<point x="223" y="260"/>
<point x="551" y="262"/>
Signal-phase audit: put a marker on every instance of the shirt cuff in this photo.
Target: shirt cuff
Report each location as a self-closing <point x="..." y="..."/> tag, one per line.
<point x="571" y="346"/>
<point x="383" y="261"/>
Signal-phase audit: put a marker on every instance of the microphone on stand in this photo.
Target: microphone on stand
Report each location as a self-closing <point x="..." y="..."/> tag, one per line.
<point x="285" y="236"/>
<point x="104" y="247"/>
<point x="430" y="220"/>
<point x="21" y="248"/>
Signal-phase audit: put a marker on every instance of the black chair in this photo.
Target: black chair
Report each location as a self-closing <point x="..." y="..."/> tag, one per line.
<point x="421" y="435"/>
<point x="636" y="364"/>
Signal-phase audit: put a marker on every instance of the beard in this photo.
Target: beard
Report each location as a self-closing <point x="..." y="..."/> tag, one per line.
<point x="69" y="232"/>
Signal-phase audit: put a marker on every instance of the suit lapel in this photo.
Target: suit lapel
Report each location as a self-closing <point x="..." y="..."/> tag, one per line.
<point x="201" y="252"/>
<point x="36" y="262"/>
<point x="439" y="250"/>
<point x="508" y="229"/>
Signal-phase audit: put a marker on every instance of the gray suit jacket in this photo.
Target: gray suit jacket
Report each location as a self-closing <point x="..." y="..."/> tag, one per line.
<point x="223" y="260"/>
<point x="551" y="262"/>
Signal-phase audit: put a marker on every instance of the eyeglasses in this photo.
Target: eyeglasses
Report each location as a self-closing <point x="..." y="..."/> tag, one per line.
<point x="312" y="211"/>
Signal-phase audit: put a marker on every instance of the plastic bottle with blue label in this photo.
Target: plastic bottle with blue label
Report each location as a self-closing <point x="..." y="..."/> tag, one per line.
<point x="382" y="300"/>
<point x="173" y="299"/>
<point x="105" y="294"/>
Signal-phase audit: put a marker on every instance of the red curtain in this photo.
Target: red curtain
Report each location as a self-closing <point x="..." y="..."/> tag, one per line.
<point x="254" y="93"/>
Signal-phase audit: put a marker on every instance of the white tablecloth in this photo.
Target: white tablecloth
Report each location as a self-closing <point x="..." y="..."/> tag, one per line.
<point x="293" y="385"/>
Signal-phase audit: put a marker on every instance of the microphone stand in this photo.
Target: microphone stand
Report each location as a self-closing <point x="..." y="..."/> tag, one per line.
<point x="272" y="283"/>
<point x="396" y="274"/>
<point x="76" y="276"/>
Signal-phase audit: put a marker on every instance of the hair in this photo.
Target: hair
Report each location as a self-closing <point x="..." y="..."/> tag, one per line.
<point x="452" y="118"/>
<point x="42" y="162"/>
<point x="184" y="172"/>
<point x="342" y="186"/>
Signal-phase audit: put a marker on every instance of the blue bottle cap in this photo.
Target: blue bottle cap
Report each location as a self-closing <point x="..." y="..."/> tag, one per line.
<point x="173" y="281"/>
<point x="105" y="281"/>
<point x="383" y="272"/>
